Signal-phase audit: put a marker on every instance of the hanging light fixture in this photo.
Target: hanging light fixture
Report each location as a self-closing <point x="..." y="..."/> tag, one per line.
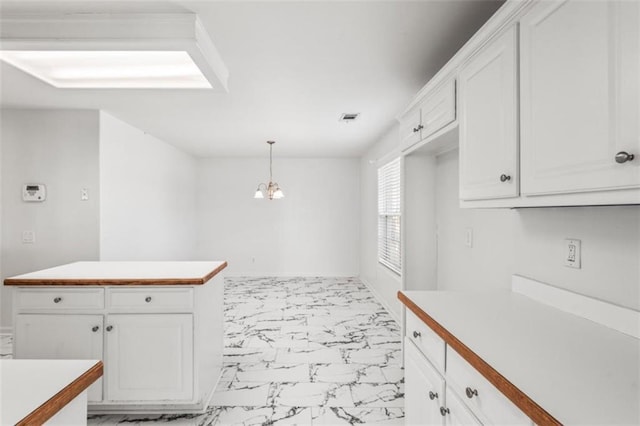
<point x="271" y="190"/>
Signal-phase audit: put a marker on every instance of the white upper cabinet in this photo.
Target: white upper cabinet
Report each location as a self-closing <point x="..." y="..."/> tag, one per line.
<point x="488" y="117"/>
<point x="435" y="111"/>
<point x="580" y="120"/>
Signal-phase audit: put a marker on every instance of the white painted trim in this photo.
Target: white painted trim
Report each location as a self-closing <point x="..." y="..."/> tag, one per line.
<point x="381" y="300"/>
<point x="624" y="320"/>
<point x="6" y="330"/>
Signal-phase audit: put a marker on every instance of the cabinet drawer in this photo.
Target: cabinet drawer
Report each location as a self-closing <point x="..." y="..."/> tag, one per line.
<point x="59" y="298"/>
<point x="150" y="298"/>
<point x="410" y="130"/>
<point x="439" y="109"/>
<point x="485" y="400"/>
<point x="426" y="340"/>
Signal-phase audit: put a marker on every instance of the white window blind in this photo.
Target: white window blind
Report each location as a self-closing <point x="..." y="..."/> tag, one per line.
<point x="389" y="216"/>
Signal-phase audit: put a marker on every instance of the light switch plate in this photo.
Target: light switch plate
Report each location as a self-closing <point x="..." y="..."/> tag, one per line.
<point x="572" y="253"/>
<point x="28" y="237"/>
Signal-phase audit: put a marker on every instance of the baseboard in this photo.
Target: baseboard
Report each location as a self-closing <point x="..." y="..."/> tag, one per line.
<point x="381" y="300"/>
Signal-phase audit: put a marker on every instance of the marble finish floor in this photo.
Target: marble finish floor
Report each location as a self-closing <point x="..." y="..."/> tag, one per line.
<point x="307" y="351"/>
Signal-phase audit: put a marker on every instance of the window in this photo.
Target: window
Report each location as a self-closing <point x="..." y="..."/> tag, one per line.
<point x="389" y="216"/>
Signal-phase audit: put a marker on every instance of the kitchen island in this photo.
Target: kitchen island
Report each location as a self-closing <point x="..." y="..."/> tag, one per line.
<point x="157" y="326"/>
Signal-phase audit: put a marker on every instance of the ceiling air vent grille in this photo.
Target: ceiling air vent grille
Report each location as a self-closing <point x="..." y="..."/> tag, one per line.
<point x="349" y="117"/>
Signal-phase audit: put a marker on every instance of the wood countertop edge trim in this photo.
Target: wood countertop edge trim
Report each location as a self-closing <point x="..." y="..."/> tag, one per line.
<point x="57" y="402"/>
<point x="535" y="412"/>
<point x="115" y="282"/>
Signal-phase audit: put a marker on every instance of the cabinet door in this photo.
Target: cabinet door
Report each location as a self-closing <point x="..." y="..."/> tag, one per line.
<point x="410" y="129"/>
<point x="149" y="357"/>
<point x="438" y="110"/>
<point x="580" y="77"/>
<point x="60" y="337"/>
<point x="458" y="413"/>
<point x="424" y="389"/>
<point x="488" y="122"/>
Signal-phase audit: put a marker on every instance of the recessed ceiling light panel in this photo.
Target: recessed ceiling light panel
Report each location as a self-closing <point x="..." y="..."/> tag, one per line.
<point x="105" y="50"/>
<point x="107" y="69"/>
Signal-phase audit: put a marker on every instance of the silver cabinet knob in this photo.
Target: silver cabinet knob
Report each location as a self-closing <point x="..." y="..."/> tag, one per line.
<point x="444" y="411"/>
<point x="109" y="327"/>
<point x="471" y="392"/>
<point x="95" y="328"/>
<point x="416" y="334"/>
<point x="504" y="178"/>
<point x="57" y="300"/>
<point x="623" y="157"/>
<point x="432" y="395"/>
<point x="415" y="130"/>
<point x="420" y="127"/>
<point x="147" y="299"/>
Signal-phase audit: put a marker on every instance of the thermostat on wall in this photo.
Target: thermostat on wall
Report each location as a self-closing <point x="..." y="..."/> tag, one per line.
<point x="34" y="192"/>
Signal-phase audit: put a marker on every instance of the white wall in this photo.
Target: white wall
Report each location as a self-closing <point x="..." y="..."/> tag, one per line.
<point x="381" y="280"/>
<point x="312" y="231"/>
<point x="148" y="190"/>
<point x="60" y="149"/>
<point x="529" y="242"/>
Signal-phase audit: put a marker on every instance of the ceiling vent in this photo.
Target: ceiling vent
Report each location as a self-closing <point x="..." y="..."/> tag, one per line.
<point x="349" y="117"/>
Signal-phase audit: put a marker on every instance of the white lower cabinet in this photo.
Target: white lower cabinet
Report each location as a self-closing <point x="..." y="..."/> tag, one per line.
<point x="456" y="413"/>
<point x="57" y="336"/>
<point x="150" y="357"/>
<point x="450" y="392"/>
<point x="161" y="345"/>
<point x="424" y="389"/>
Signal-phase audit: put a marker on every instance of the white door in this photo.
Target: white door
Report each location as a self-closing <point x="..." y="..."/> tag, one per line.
<point x="457" y="413"/>
<point x="149" y="357"/>
<point x="489" y="122"/>
<point x="580" y="73"/>
<point x="423" y="389"/>
<point x="60" y="337"/>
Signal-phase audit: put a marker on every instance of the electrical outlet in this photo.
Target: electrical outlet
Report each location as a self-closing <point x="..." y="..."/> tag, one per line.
<point x="468" y="237"/>
<point x="84" y="194"/>
<point x="28" y="237"/>
<point x="572" y="253"/>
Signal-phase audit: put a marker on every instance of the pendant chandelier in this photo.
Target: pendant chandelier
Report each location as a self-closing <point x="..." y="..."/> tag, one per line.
<point x="271" y="190"/>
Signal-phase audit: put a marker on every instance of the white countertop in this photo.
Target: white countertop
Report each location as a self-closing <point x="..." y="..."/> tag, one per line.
<point x="112" y="272"/>
<point x="27" y="384"/>
<point x="579" y="371"/>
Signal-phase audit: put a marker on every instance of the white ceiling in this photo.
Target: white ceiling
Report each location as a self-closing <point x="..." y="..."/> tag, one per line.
<point x="294" y="68"/>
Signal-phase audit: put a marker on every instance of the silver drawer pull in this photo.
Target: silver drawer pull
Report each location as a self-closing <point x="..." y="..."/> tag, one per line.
<point x="432" y="395"/>
<point x="416" y="334"/>
<point x="109" y="327"/>
<point x="57" y="300"/>
<point x="444" y="411"/>
<point x="148" y="299"/>
<point x="95" y="328"/>
<point x="622" y="157"/>
<point x="471" y="392"/>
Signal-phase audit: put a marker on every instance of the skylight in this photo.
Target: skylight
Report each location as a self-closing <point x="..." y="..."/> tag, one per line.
<point x="110" y="69"/>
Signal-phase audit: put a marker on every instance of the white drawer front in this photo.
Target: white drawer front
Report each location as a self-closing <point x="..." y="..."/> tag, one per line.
<point x="431" y="345"/>
<point x="151" y="298"/>
<point x="59" y="298"/>
<point x="482" y="397"/>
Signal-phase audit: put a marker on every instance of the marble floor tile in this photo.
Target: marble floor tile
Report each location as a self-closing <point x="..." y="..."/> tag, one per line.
<point x="373" y="356"/>
<point x="249" y="355"/>
<point x="250" y="416"/>
<point x="347" y="373"/>
<point x="241" y="393"/>
<point x="272" y="372"/>
<point x="378" y="394"/>
<point x="355" y="416"/>
<point x="309" y="356"/>
<point x="310" y="395"/>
